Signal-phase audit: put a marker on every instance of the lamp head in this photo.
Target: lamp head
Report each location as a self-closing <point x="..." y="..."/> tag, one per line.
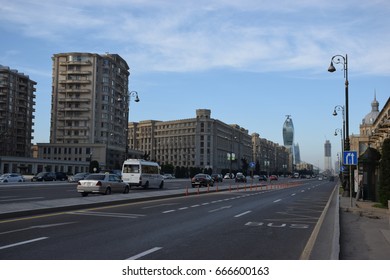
<point x="136" y="98"/>
<point x="331" y="67"/>
<point x="334" y="113"/>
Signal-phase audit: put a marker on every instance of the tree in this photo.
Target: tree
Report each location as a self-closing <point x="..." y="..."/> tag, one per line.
<point x="384" y="174"/>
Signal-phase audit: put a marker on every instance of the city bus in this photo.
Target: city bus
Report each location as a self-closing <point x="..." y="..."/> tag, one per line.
<point x="142" y="173"/>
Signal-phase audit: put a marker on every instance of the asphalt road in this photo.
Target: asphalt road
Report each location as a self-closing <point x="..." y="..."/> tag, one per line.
<point x="251" y="224"/>
<point x="35" y="191"/>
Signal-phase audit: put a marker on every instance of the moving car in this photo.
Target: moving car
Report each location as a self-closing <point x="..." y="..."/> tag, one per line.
<point x="168" y="176"/>
<point x="61" y="176"/>
<point x="103" y="183"/>
<point x="77" y="177"/>
<point x="142" y="173"/>
<point x="273" y="178"/>
<point x="217" y="177"/>
<point x="11" y="177"/>
<point x="229" y="176"/>
<point x="240" y="178"/>
<point x="202" y="180"/>
<point x="262" y="178"/>
<point x="44" y="176"/>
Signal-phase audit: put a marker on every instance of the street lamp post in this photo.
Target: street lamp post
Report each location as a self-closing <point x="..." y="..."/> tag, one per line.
<point x="127" y="104"/>
<point x="266" y="164"/>
<point x="339" y="59"/>
<point x="337" y="132"/>
<point x="341" y="108"/>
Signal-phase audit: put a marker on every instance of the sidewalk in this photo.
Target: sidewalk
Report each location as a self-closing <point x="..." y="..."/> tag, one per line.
<point x="364" y="231"/>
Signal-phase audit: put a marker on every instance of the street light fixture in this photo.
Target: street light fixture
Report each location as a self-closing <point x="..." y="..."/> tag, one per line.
<point x="136" y="99"/>
<point x="339" y="59"/>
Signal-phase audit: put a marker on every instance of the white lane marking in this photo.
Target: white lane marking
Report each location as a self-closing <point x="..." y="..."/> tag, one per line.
<point x="22" y="243"/>
<point x="34" y="227"/>
<point x="277" y="200"/>
<point x="19" y="199"/>
<point x="159" y="205"/>
<point x="168" y="211"/>
<point x="219" y="209"/>
<point x="140" y="255"/>
<point x="242" y="214"/>
<point x="293" y="194"/>
<point x="106" y="214"/>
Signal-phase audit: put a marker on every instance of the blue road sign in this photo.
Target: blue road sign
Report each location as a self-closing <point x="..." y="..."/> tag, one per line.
<point x="252" y="164"/>
<point x="350" y="158"/>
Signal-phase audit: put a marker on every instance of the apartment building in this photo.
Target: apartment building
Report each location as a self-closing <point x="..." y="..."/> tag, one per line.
<point x="90" y="101"/>
<point x="201" y="142"/>
<point x="271" y="157"/>
<point x="17" y="94"/>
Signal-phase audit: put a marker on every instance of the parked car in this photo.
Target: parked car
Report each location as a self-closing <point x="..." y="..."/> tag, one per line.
<point x="11" y="177"/>
<point x="103" y="183"/>
<point x="44" y="176"/>
<point x="273" y="178"/>
<point x="240" y="178"/>
<point x="217" y="177"/>
<point x="77" y="177"/>
<point x="61" y="176"/>
<point x="202" y="180"/>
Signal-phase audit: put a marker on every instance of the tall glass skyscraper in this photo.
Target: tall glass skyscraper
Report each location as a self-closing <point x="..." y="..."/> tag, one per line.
<point x="288" y="136"/>
<point x="328" y="157"/>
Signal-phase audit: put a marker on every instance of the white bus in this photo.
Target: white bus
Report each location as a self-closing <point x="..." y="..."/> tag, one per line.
<point x="142" y="173"/>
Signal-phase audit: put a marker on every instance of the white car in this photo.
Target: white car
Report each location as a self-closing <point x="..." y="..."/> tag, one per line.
<point x="11" y="177"/>
<point x="103" y="183"/>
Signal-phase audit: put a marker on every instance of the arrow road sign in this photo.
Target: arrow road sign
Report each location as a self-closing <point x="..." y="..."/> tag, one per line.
<point x="350" y="158"/>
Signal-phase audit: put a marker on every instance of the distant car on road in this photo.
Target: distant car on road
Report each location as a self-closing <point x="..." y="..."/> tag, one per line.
<point x="103" y="183"/>
<point x="11" y="177"/>
<point x="168" y="176"/>
<point x="77" y="177"/>
<point x="229" y="176"/>
<point x="202" y="180"/>
<point x="217" y="177"/>
<point x="273" y="178"/>
<point x="44" y="176"/>
<point x="61" y="176"/>
<point x="262" y="178"/>
<point x="240" y="178"/>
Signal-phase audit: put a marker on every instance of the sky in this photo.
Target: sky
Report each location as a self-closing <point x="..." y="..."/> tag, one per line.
<point x="251" y="62"/>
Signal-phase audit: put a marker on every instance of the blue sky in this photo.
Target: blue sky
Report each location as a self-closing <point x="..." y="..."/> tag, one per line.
<point x="252" y="62"/>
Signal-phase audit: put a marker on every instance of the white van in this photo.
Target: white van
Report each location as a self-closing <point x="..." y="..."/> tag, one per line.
<point x="142" y="173"/>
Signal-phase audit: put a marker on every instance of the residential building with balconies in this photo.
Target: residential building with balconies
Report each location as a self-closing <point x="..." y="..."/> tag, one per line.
<point x="17" y="94"/>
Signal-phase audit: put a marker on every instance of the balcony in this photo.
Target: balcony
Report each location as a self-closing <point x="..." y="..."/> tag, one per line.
<point x="78" y="72"/>
<point x="74" y="90"/>
<point x="79" y="109"/>
<point x="85" y="62"/>
<point x="74" y="100"/>
<point x="74" y="81"/>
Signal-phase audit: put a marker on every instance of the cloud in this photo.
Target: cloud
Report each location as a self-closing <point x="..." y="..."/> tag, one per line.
<point x="185" y="36"/>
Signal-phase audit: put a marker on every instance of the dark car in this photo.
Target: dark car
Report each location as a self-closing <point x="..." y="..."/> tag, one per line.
<point x="217" y="177"/>
<point x="44" y="176"/>
<point x="202" y="180"/>
<point x="61" y="176"/>
<point x="262" y="178"/>
<point x="240" y="178"/>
